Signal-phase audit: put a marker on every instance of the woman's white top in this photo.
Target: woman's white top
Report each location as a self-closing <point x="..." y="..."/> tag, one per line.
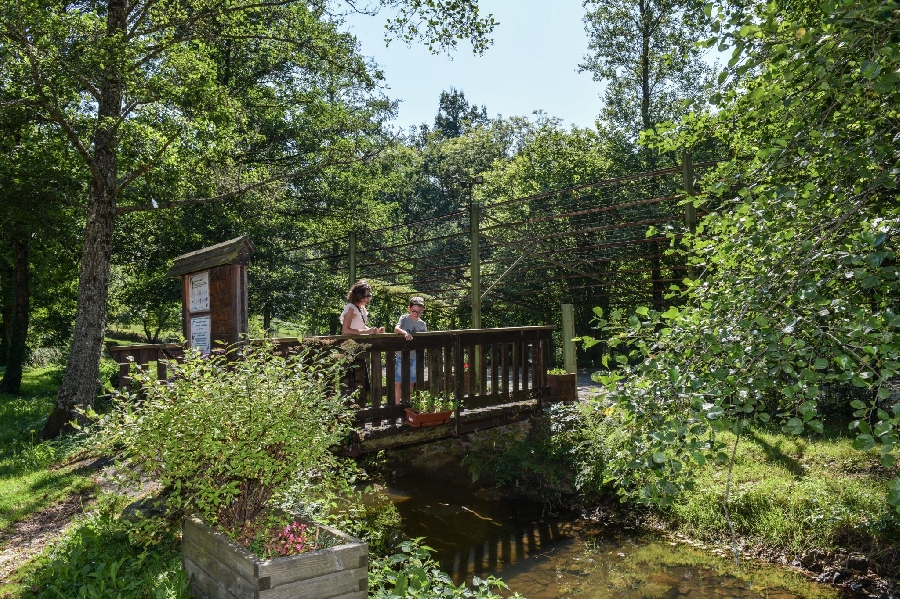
<point x="359" y="317"/>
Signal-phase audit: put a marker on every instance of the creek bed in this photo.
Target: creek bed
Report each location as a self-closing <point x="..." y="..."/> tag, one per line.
<point x="544" y="556"/>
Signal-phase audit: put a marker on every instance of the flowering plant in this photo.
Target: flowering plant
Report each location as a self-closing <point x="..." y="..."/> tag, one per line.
<point x="269" y="537"/>
<point x="296" y="538"/>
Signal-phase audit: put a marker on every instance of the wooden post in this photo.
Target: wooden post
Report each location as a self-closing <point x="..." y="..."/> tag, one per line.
<point x="690" y="215"/>
<point x="568" y="333"/>
<point x="475" y="269"/>
<point x="351" y="258"/>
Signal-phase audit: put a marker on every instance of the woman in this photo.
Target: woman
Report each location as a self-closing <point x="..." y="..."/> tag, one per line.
<point x="355" y="317"/>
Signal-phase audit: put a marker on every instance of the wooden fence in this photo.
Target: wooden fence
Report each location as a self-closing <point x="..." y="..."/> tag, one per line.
<point x="482" y="369"/>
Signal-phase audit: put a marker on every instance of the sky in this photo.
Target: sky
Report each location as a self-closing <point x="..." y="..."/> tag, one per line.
<point x="532" y="65"/>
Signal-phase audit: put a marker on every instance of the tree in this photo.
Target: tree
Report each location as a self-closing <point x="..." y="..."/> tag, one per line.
<point x="38" y="183"/>
<point x="800" y="284"/>
<point x="646" y="53"/>
<point x="144" y="93"/>
<point x="456" y="116"/>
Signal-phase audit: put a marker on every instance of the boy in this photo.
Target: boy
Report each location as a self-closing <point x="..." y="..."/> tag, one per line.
<point x="406" y="326"/>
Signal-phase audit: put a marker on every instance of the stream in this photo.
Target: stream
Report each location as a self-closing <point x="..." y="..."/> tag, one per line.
<point x="544" y="556"/>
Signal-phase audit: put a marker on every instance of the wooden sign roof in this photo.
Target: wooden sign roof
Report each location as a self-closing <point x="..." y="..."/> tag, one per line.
<point x="233" y="251"/>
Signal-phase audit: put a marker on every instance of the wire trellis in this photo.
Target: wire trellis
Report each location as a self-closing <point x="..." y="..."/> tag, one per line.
<point x="599" y="244"/>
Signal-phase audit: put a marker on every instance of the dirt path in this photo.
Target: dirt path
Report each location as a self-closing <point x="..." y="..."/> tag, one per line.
<point x="28" y="537"/>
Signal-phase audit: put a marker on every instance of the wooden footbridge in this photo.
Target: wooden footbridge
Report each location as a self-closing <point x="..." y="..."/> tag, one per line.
<point x="497" y="376"/>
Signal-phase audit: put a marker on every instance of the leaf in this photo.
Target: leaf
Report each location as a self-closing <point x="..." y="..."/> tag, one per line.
<point x="794" y="426"/>
<point x="864" y="442"/>
<point x="894" y="492"/>
<point x="671" y="313"/>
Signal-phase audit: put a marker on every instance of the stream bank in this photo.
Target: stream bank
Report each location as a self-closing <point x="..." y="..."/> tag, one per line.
<point x="545" y="543"/>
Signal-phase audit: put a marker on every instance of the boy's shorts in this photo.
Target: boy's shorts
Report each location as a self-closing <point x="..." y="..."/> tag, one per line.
<point x="398" y="367"/>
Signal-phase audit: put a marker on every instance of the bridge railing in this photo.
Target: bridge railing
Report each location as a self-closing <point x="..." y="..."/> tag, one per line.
<point x="479" y="368"/>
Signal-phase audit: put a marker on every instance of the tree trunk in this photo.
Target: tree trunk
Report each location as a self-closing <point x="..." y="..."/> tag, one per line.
<point x="79" y="385"/>
<point x="6" y="316"/>
<point x="18" y="329"/>
<point x="645" y="66"/>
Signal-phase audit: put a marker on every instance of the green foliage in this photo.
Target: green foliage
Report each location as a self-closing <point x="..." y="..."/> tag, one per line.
<point x="557" y="371"/>
<point x="97" y="559"/>
<point x="229" y="434"/>
<point x="426" y="402"/>
<point x="27" y="484"/>
<point x="412" y="572"/>
<point x="646" y="54"/>
<point x="797" y="253"/>
<point x="589" y="435"/>
<point x="791" y="495"/>
<point x="364" y="512"/>
<point x="439" y="24"/>
<point x="537" y="463"/>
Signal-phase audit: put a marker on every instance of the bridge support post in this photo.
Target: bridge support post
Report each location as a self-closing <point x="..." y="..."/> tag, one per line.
<point x="568" y="334"/>
<point x="475" y="261"/>
<point x="690" y="215"/>
<point x="351" y="257"/>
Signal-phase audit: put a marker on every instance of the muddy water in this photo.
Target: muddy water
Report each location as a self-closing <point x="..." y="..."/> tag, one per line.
<point x="543" y="556"/>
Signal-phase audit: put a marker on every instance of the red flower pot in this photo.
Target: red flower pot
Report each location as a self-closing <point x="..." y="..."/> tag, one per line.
<point x="420" y="419"/>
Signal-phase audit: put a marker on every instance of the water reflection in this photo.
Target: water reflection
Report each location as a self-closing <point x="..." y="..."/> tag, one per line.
<point x="543" y="557"/>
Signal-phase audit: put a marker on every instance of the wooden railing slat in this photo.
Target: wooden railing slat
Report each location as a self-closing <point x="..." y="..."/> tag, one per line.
<point x="377" y="399"/>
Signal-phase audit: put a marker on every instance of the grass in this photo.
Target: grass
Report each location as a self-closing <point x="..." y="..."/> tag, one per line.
<point x="793" y="494"/>
<point x="98" y="555"/>
<point x="105" y="555"/>
<point x="28" y="483"/>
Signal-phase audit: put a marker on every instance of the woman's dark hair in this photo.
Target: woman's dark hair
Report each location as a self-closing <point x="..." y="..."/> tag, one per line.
<point x="358" y="292"/>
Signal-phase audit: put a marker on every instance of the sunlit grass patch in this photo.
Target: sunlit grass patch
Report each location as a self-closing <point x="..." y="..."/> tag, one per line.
<point x="791" y="493"/>
<point x="28" y="482"/>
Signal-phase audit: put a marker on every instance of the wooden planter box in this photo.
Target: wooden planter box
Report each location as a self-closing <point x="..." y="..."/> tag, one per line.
<point x="219" y="568"/>
<point x="563" y="387"/>
<point x="418" y="420"/>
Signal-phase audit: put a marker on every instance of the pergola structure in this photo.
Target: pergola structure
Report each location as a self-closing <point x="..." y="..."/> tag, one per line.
<point x="598" y="244"/>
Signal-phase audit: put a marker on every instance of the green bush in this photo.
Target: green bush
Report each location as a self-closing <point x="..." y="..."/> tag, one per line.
<point x="228" y="434"/>
<point x="412" y="572"/>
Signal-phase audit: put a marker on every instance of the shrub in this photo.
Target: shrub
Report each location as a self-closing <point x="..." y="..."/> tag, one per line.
<point x="412" y="572"/>
<point x="228" y="434"/>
